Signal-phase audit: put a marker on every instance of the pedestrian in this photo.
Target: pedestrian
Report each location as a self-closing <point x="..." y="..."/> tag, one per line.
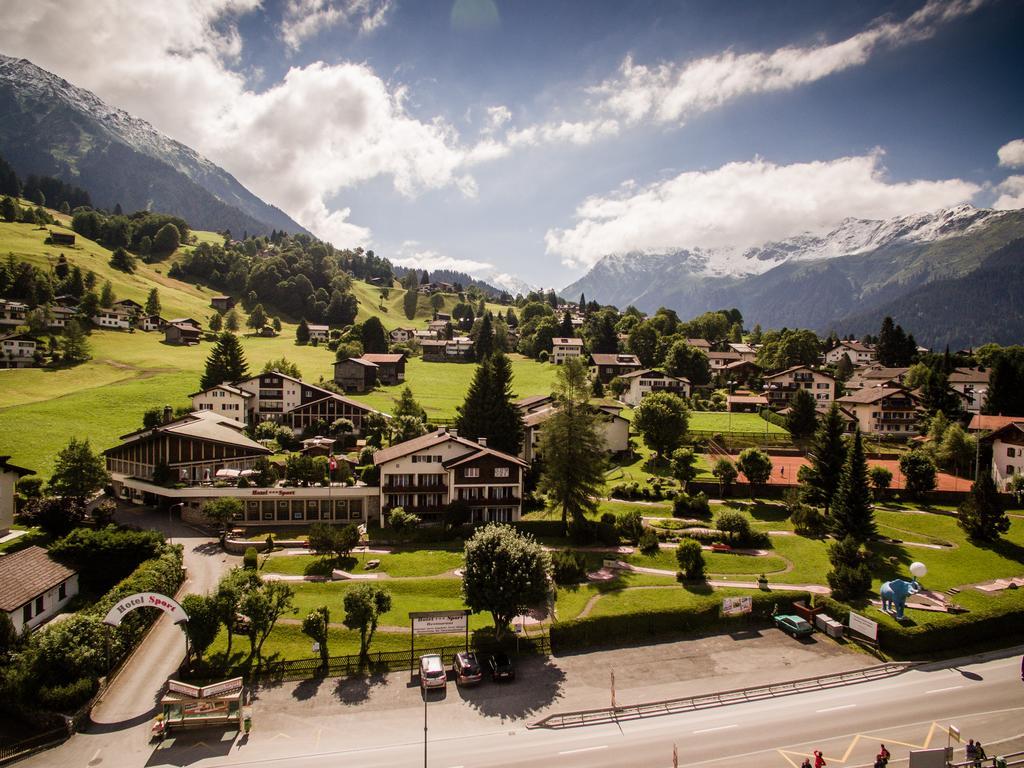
<point x="819" y="759"/>
<point x="806" y="763"/>
<point x="979" y="754"/>
<point x="971" y="750"/>
<point x="883" y="755"/>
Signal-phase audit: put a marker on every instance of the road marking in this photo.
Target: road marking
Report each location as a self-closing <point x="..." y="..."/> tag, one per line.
<point x="943" y="690"/>
<point x="584" y="749"/>
<point x="833" y="709"/>
<point x="719" y="728"/>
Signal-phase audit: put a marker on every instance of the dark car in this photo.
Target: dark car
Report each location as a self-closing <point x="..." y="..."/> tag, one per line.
<point x="794" y="625"/>
<point x="501" y="667"/>
<point x="467" y="669"/>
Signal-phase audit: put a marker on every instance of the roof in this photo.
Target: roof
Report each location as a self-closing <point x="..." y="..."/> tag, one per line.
<point x="855" y="345"/>
<point x="127" y="303"/>
<point x="563" y="341"/>
<point x="358" y="361"/>
<point x="16" y="335"/>
<point x="202" y="425"/>
<point x="27" y="574"/>
<point x="607" y="358"/>
<point x="185" y="320"/>
<point x="881" y="372"/>
<point x="434" y="343"/>
<point x="227" y="388"/>
<point x="6" y="466"/>
<point x="873" y="395"/>
<point x="313" y="327"/>
<point x="983" y="423"/>
<point x="699" y="343"/>
<point x="760" y="399"/>
<point x="482" y="450"/>
<point x="741" y="364"/>
<point x="744" y="349"/>
<point x="795" y="368"/>
<point x="653" y="373"/>
<point x="524" y="403"/>
<point x="431" y="439"/>
<point x="1012" y="432"/>
<point x="723" y="355"/>
<point x="385" y="357"/>
<point x="969" y="376"/>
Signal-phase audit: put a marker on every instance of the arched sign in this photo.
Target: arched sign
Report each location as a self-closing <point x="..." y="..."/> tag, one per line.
<point x="146" y="600"/>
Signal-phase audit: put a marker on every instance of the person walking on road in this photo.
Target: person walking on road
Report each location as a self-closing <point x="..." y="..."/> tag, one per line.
<point x="883" y="757"/>
<point x="971" y="750"/>
<point x="979" y="754"/>
<point x="819" y="759"/>
<point x="806" y="763"/>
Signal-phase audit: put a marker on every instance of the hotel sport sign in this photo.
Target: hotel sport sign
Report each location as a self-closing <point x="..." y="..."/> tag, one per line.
<point x="145" y="600"/>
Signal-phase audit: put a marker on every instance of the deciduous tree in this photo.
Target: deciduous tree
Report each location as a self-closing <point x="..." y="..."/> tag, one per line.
<point x="315" y="626"/>
<point x="204" y="620"/>
<point x="756" y="466"/>
<point x="78" y="473"/>
<point x="662" y="419"/>
<point x="364" y="605"/>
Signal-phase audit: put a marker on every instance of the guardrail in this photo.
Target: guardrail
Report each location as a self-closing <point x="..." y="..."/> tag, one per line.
<point x="709" y="701"/>
<point x="996" y="761"/>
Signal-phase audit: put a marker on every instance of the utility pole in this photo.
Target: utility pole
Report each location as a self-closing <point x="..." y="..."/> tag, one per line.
<point x="425" y="694"/>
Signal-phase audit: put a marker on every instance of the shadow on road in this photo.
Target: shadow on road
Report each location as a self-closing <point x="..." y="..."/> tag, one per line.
<point x="121" y="725"/>
<point x="357" y="689"/>
<point x="538" y="684"/>
<point x="307" y="689"/>
<point x="746" y="634"/>
<point x="192" y="746"/>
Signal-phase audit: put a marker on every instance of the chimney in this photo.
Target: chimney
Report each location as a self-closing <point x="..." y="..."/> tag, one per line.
<point x="482" y="441"/>
<point x="453" y="432"/>
<point x="168" y="413"/>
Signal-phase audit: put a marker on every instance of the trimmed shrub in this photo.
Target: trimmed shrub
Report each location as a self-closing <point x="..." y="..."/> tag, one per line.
<point x="690" y="557"/>
<point x="686" y="505"/>
<point x="735" y="526"/>
<point x="807" y="520"/>
<point x="630" y="525"/>
<point x="568" y="567"/>
<point x="648" y="543"/>
<point x="250" y="559"/>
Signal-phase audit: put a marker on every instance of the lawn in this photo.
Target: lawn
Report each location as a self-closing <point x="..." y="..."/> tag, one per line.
<point x="724" y="423"/>
<point x="421" y="562"/>
<point x="718" y="563"/>
<point x="660" y="598"/>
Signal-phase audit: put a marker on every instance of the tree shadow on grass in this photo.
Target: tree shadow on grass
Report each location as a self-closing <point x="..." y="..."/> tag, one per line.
<point x="1004" y="548"/>
<point x="538" y="684"/>
<point x="890" y="561"/>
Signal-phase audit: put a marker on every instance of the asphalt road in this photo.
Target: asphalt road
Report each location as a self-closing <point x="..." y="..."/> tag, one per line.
<point x="984" y="699"/>
<point x="122" y="719"/>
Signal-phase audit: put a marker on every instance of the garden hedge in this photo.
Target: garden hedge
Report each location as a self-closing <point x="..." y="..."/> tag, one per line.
<point x="642" y="626"/>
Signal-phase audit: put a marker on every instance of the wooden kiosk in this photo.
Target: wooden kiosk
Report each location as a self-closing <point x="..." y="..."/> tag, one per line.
<point x="192" y="706"/>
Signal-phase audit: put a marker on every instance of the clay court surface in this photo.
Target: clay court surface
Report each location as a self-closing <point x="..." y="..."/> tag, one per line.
<point x="785" y="469"/>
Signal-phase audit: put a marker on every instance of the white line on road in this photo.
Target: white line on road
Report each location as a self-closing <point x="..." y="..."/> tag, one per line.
<point x="943" y="690"/>
<point x="719" y="728"/>
<point x="833" y="709"/>
<point x="584" y="749"/>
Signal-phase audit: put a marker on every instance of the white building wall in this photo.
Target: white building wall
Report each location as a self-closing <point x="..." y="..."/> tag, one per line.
<point x="51" y="605"/>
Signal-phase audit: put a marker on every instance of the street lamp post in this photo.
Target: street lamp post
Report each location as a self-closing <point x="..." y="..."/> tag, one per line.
<point x="425" y="694"/>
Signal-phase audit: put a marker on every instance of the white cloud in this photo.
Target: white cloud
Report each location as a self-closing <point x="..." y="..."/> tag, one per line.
<point x="743" y="204"/>
<point x="303" y="19"/>
<point x="1011" y="154"/>
<point x="672" y="92"/>
<point x="431" y="260"/>
<point x="1011" y="194"/>
<point x="497" y="117"/>
<point x="321" y="129"/>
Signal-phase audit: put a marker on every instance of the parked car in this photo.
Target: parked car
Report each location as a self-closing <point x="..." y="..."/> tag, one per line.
<point x="467" y="669"/>
<point x="794" y="625"/>
<point x="501" y="667"/>
<point x="432" y="674"/>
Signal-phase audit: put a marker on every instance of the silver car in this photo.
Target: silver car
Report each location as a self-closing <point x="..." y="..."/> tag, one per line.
<point x="432" y="672"/>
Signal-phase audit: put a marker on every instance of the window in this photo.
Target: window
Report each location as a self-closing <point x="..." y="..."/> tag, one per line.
<point x="1011" y="453"/>
<point x="1009" y="469"/>
<point x="501" y="471"/>
<point x="472" y="472"/>
<point x="62" y="591"/>
<point x="26" y="613"/>
<point x="39" y="605"/>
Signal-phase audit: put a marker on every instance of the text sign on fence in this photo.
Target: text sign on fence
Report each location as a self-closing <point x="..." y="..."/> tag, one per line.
<point x="863" y="626"/>
<point x="737" y="606"/>
<point x="439" y="622"/>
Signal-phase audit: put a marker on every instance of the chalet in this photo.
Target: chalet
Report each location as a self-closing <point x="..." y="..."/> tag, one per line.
<point x="133" y="308"/>
<point x="421" y="335"/>
<point x="61" y="315"/>
<point x="112" y="318"/>
<point x="720" y="360"/>
<point x="607" y="366"/>
<point x="746" y="403"/>
<point x="442" y="317"/>
<point x="390" y="366"/>
<point x="62" y="238"/>
<point x="434" y="350"/>
<point x="457" y="350"/>
<point x="319" y="333"/>
<point x="296" y="403"/>
<point x="428" y="288"/>
<point x="883" y="411"/>
<point x="874" y="376"/>
<point x="740" y="371"/>
<point x="972" y="384"/>
<point x="9" y="475"/>
<point x="745" y="351"/>
<point x="780" y="387"/>
<point x="401" y="335"/>
<point x="224" y="400"/>
<point x="859" y="354"/>
<point x="152" y="323"/>
<point x="438" y="327"/>
<point x="318" y="446"/>
<point x="17" y="350"/>
<point x="645" y="381"/>
<point x="1007" y="452"/>
<point x="426" y="474"/>
<point x="702" y="344"/>
<point x="178" y="332"/>
<point x="981" y="423"/>
<point x="564" y="348"/>
<point x="222" y="303"/>
<point x="34" y="587"/>
<point x="12" y="313"/>
<point x="355" y="374"/>
<point x="612" y="426"/>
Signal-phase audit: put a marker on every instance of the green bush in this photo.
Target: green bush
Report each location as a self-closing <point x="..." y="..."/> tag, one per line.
<point x="104" y="556"/>
<point x="250" y="558"/>
<point x="691" y="560"/>
<point x="568" y="567"/>
<point x="686" y="505"/>
<point x="630" y="525"/>
<point x="641" y="626"/>
<point x="648" y="542"/>
<point x="807" y="520"/>
<point x="67" y="698"/>
<point x="735" y="526"/>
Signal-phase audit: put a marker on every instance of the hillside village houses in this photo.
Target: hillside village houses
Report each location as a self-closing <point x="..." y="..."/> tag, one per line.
<point x="859" y="354"/>
<point x="183" y="331"/>
<point x="319" y="333"/>
<point x="780" y="387"/>
<point x="427" y="473"/>
<point x="536" y="410"/>
<point x="1007" y="451"/>
<point x="457" y="350"/>
<point x="401" y="335"/>
<point x="563" y="349"/>
<point x="972" y="384"/>
<point x="113" y="319"/>
<point x="152" y="323"/>
<point x="643" y="382"/>
<point x="890" y="411"/>
<point x="222" y="304"/>
<point x="17" y="350"/>
<point x="355" y="374"/>
<point x="34" y="587"/>
<point x="9" y="475"/>
<point x="12" y="313"/>
<point x="607" y="366"/>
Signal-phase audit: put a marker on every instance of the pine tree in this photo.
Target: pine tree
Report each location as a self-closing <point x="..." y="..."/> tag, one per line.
<point x="506" y="430"/>
<point x="153" y="302"/>
<point x="566" y="330"/>
<point x="231" y="321"/>
<point x="374" y="337"/>
<point x="571" y="447"/>
<point x="122" y="260"/>
<point x="981" y="514"/>
<point x="827" y="453"/>
<point x="407" y="406"/>
<point x="107" y="297"/>
<point x="74" y="346"/>
<point x="483" y="347"/>
<point x="852" y="513"/>
<point x="302" y="332"/>
<point x="471" y="418"/>
<point x="216" y="322"/>
<point x="225" y="363"/>
<point x="803" y="417"/>
<point x="257" y="318"/>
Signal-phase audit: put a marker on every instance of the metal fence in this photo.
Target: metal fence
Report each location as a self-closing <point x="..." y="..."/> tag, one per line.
<point x="26" y="747"/>
<point x="377" y="661"/>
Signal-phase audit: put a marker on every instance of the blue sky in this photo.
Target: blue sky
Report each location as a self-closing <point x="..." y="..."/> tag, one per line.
<point x="530" y="138"/>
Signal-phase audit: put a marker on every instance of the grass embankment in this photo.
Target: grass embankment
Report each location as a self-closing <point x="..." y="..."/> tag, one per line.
<point x="421" y="562"/>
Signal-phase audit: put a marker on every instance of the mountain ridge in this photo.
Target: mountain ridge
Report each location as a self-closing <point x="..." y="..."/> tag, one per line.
<point x="49" y="126"/>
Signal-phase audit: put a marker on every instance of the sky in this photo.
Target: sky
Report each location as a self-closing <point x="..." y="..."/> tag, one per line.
<point x="513" y="137"/>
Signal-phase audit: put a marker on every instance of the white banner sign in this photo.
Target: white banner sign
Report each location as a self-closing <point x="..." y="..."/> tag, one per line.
<point x="737" y="606"/>
<point x="863" y="626"/>
<point x="145" y="600"/>
<point x="439" y="622"/>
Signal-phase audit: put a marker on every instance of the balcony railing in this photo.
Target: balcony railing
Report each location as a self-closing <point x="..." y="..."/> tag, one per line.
<point x="392" y="487"/>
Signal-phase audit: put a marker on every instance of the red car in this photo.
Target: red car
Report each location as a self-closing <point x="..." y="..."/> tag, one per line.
<point x="467" y="669"/>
